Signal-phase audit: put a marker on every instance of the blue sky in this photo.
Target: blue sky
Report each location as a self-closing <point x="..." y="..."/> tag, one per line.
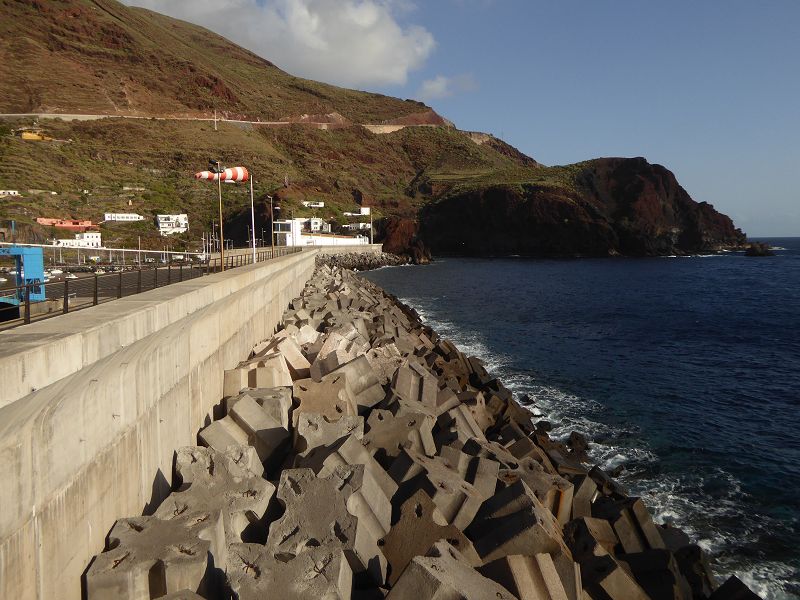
<point x="710" y="89"/>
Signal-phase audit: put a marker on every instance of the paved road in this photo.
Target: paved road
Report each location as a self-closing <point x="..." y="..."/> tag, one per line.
<point x="77" y="117"/>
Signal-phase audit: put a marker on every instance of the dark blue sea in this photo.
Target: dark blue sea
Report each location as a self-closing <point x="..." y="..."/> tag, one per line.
<point x="686" y="370"/>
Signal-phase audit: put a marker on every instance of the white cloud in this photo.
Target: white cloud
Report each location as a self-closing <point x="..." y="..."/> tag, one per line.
<point x="442" y="87"/>
<point x="346" y="42"/>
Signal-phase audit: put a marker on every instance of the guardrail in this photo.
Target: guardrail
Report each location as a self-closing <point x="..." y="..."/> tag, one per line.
<point x="85" y="289"/>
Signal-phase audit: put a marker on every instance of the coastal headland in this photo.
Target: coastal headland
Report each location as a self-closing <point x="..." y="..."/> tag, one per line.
<point x="356" y="454"/>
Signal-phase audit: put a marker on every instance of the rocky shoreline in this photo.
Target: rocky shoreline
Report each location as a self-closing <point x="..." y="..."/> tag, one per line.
<point x="360" y="455"/>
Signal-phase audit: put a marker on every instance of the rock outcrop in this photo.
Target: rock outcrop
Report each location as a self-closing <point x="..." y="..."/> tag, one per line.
<point x="758" y="249"/>
<point x="603" y="207"/>
<point x="400" y="236"/>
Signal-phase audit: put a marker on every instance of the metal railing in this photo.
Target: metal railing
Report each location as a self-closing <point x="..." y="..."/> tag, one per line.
<point x="83" y="288"/>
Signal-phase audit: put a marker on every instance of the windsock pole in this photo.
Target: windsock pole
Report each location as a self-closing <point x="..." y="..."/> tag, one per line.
<point x="252" y="219"/>
<point x="221" y="235"/>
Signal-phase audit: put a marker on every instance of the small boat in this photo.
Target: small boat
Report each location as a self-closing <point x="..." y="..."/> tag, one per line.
<point x="3" y="279"/>
<point x="99" y="272"/>
<point x="56" y="271"/>
<point x="71" y="276"/>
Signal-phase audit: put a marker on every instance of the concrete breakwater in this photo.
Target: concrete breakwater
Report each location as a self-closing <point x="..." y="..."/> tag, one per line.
<point x="358" y="455"/>
<point x="357" y="261"/>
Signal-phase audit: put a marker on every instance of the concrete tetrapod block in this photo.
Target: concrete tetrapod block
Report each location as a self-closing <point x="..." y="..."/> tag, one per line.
<point x="362" y="384"/>
<point x="553" y="491"/>
<point x="215" y="481"/>
<point x="315" y="430"/>
<point x="271" y="371"/>
<point x="657" y="572"/>
<point x="322" y="573"/>
<point x="588" y="538"/>
<point x="631" y="522"/>
<point x="222" y="434"/>
<point x="299" y="367"/>
<point x="414" y="382"/>
<point x="474" y="400"/>
<point x="694" y="566"/>
<point x="733" y="589"/>
<point x="445" y="575"/>
<point x="265" y="433"/>
<point x="341" y="346"/>
<point x="419" y="527"/>
<point x="387" y="433"/>
<point x="319" y="513"/>
<point x="385" y="360"/>
<point x="517" y="442"/>
<point x="458" y="483"/>
<point x="603" y="577"/>
<point x="371" y="503"/>
<point x="329" y="397"/>
<point x="267" y="371"/>
<point x="306" y="335"/>
<point x="513" y="521"/>
<point x="564" y="462"/>
<point x="531" y="578"/>
<point x="584" y="495"/>
<point x="276" y="402"/>
<point x="148" y="557"/>
<point x="458" y="424"/>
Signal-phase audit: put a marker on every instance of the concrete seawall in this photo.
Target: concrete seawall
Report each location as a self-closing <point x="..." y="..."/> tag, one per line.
<point x="93" y="405"/>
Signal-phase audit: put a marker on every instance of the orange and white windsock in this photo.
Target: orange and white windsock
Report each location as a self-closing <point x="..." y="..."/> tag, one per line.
<point x="234" y="174"/>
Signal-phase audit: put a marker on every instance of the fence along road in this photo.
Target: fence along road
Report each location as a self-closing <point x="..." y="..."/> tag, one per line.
<point x="90" y="289"/>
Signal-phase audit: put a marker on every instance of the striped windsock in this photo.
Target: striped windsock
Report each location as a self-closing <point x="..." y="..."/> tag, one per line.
<point x="234" y="174"/>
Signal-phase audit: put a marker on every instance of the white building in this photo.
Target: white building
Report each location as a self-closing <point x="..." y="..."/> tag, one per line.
<point x="9" y="193"/>
<point x="122" y="217"/>
<point x="290" y="233"/>
<point x="318" y="225"/>
<point x="89" y="239"/>
<point x="357" y="226"/>
<point x="169" y="224"/>
<point x="362" y="212"/>
<point x="312" y="204"/>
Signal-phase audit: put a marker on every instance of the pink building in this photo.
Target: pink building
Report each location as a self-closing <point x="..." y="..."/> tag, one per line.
<point x="69" y="224"/>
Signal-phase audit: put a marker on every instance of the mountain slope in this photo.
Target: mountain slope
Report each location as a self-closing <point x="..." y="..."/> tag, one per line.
<point x="102" y="57"/>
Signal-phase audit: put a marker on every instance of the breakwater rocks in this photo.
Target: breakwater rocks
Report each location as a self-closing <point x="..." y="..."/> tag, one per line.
<point x="361" y="261"/>
<point x="362" y="456"/>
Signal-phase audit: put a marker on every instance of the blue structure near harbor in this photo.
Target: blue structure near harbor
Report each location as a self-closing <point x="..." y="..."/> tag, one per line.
<point x="29" y="272"/>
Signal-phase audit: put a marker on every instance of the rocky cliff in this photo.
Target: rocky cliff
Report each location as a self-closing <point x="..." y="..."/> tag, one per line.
<point x="602" y="207"/>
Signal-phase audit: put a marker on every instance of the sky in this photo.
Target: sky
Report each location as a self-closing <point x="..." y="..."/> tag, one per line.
<point x="710" y="89"/>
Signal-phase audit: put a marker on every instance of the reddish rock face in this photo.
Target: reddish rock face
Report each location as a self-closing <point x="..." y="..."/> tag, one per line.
<point x="400" y="237"/>
<point x="615" y="206"/>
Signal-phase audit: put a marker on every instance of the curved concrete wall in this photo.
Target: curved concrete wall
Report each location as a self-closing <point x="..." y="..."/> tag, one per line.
<point x="93" y="405"/>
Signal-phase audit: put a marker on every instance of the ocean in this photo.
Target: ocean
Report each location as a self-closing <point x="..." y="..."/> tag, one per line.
<point x="684" y="370"/>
